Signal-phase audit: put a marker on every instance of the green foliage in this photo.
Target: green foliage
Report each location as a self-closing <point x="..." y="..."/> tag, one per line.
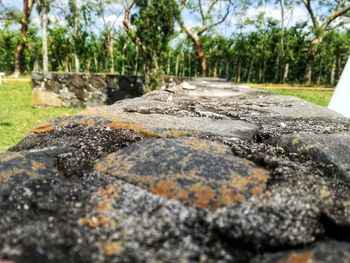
<point x="252" y="55"/>
<point x="154" y="23"/>
<point x="8" y="42"/>
<point x="18" y="117"/>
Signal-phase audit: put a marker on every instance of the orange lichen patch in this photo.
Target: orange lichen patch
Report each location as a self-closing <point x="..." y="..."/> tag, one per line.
<point x="38" y="166"/>
<point x="43" y="128"/>
<point x="65" y="122"/>
<point x="108" y="190"/>
<point x="32" y="174"/>
<point x="108" y="193"/>
<point x="104" y="199"/>
<point x="97" y="221"/>
<point x="113" y="248"/>
<point x="9" y="156"/>
<point x="176" y="133"/>
<point x="299" y="258"/>
<point x="346" y="203"/>
<point x="229" y="196"/>
<point x="115" y="124"/>
<point x="198" y="145"/>
<point x="203" y="146"/>
<point x="104" y="206"/>
<point x="149" y="134"/>
<point x="240" y="181"/>
<point x="204" y="195"/>
<point x="257" y="190"/>
<point x="259" y="174"/>
<point x="90" y="123"/>
<point x="296" y="140"/>
<point x="7" y="174"/>
<point x="165" y="188"/>
<point x="324" y="192"/>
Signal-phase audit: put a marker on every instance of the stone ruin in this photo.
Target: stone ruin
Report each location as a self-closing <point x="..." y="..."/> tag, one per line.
<point x="84" y="89"/>
<point x="219" y="173"/>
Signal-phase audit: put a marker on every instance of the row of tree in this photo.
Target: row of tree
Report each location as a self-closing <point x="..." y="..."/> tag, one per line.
<point x="68" y="39"/>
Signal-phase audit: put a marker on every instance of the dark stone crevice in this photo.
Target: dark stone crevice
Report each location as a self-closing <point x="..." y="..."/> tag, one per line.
<point x="334" y="230"/>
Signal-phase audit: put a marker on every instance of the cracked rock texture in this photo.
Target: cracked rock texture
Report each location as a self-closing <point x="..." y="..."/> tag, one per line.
<point x="221" y="173"/>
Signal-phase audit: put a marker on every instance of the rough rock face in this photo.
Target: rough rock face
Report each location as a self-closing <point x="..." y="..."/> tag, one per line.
<point x="216" y="174"/>
<point x="84" y="89"/>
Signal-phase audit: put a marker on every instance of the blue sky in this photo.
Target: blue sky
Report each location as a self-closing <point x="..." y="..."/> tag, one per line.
<point x="296" y="15"/>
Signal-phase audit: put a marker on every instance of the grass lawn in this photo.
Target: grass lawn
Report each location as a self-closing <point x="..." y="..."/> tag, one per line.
<point x="18" y="116"/>
<point x="317" y="95"/>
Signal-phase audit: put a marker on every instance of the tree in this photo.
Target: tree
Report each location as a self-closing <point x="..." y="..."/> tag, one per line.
<point x="25" y="20"/>
<point x="332" y="11"/>
<point x="154" y="26"/>
<point x="104" y="8"/>
<point x="212" y="13"/>
<point x="43" y="8"/>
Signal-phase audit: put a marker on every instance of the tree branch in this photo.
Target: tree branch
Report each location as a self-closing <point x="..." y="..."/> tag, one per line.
<point x="337" y="13"/>
<point x="220" y="21"/>
<point x="307" y="4"/>
<point x="201" y="11"/>
<point x="127" y="25"/>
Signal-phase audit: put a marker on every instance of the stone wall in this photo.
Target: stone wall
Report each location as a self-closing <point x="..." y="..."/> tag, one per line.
<point x="204" y="172"/>
<point x="82" y="90"/>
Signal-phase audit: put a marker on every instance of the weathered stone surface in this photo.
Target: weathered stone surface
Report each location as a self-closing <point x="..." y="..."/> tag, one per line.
<point x="41" y="98"/>
<point x="197" y="172"/>
<point x="322" y="252"/>
<point x="220" y="173"/>
<point x="330" y="150"/>
<point x="82" y="90"/>
<point x="162" y="124"/>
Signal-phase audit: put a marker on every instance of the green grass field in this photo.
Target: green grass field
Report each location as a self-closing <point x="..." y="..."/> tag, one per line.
<point x="317" y="95"/>
<point x="18" y="116"/>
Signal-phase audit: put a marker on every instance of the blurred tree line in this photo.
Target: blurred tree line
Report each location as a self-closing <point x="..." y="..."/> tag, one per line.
<point x="260" y="49"/>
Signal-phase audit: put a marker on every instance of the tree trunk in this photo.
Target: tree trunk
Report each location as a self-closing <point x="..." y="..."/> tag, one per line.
<point x="277" y="72"/>
<point x="96" y="63"/>
<point x="44" y="24"/>
<point x="227" y="69"/>
<point x="168" y="66"/>
<point x="238" y="76"/>
<point x="76" y="29"/>
<point x="250" y="70"/>
<point x="123" y="60"/>
<point x="333" y="72"/>
<point x="320" y="73"/>
<point x="111" y="53"/>
<point x="76" y="63"/>
<point x="215" y="70"/>
<point x="136" y="61"/>
<point x="200" y="55"/>
<point x="285" y="73"/>
<point x="36" y="67"/>
<point x="310" y="58"/>
<point x="260" y="73"/>
<point x="183" y="64"/>
<point x="27" y="10"/>
<point x="66" y="65"/>
<point x="189" y="65"/>
<point x="177" y="65"/>
<point x="337" y="64"/>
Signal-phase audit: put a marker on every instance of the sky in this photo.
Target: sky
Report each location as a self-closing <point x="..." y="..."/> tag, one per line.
<point x="298" y="14"/>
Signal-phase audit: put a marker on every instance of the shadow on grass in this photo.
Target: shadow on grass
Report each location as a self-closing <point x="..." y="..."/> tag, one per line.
<point x="5" y="124"/>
